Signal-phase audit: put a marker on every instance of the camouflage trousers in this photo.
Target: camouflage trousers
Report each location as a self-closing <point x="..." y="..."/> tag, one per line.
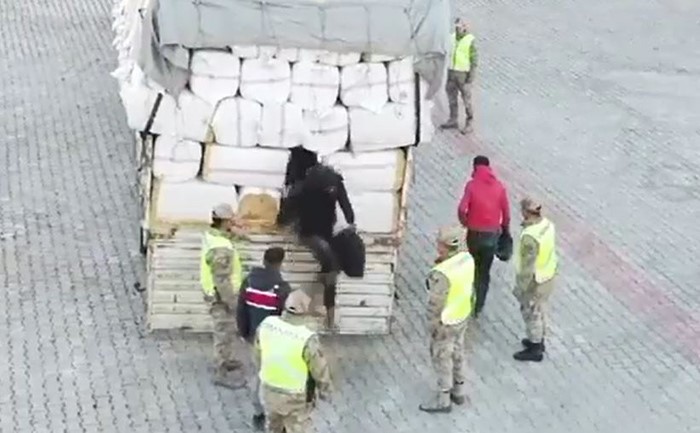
<point x="224" y="334"/>
<point x="533" y="304"/>
<point x="447" y="354"/>
<point x="457" y="85"/>
<point x="285" y="412"/>
<point x="255" y="384"/>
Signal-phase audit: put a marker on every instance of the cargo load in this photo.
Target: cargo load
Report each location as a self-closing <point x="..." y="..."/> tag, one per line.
<point x="216" y="113"/>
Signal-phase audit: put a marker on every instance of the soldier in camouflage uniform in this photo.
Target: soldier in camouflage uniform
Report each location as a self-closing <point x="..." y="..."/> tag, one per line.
<point x="450" y="303"/>
<point x="288" y="353"/>
<point x="220" y="276"/>
<point x="536" y="266"/>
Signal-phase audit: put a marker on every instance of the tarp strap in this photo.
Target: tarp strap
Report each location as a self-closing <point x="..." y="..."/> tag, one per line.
<point x="152" y="116"/>
<point x="417" y="102"/>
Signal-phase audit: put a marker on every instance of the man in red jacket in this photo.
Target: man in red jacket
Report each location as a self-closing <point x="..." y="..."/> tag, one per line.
<point x="485" y="212"/>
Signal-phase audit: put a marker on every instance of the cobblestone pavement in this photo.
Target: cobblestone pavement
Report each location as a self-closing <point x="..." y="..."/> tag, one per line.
<point x="595" y="107"/>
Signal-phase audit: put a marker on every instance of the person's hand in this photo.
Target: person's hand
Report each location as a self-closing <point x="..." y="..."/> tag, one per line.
<point x="208" y="299"/>
<point x="352" y="227"/>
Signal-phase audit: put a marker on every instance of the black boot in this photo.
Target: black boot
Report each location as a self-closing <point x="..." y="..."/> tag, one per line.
<point x="533" y="353"/>
<point x="527" y="343"/>
<point x="259" y="421"/>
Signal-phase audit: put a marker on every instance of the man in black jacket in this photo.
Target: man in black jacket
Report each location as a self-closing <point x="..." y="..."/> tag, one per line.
<point x="263" y="293"/>
<point x="311" y="204"/>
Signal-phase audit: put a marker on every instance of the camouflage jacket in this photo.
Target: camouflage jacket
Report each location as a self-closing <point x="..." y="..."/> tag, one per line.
<point x="220" y="261"/>
<point x="438" y="286"/>
<point x="525" y="277"/>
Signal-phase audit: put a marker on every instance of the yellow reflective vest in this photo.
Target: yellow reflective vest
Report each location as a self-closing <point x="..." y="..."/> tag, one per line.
<point x="282" y="364"/>
<point x="459" y="270"/>
<point x="461" y="56"/>
<point x="216" y="239"/>
<point x="544" y="234"/>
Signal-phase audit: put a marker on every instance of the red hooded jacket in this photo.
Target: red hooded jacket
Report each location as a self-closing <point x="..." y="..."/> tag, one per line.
<point x="484" y="206"/>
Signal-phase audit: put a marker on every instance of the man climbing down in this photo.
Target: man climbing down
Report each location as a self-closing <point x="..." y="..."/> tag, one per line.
<point x="311" y="205"/>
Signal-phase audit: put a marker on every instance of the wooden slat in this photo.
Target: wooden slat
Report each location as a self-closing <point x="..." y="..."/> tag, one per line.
<point x="369" y="312"/>
<point x="199" y="308"/>
<point x="364" y="326"/>
<point x="364" y="300"/>
<point x="192" y="322"/>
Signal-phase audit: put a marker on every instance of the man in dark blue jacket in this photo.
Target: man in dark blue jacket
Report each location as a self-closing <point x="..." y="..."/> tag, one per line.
<point x="263" y="293"/>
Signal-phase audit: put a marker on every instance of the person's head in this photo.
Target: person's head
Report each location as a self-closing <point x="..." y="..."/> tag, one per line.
<point x="448" y="241"/>
<point x="273" y="258"/>
<point x="300" y="161"/>
<point x="461" y="27"/>
<point x="297" y="303"/>
<point x="481" y="160"/>
<point x="530" y="209"/>
<point x="321" y="177"/>
<point x="223" y="217"/>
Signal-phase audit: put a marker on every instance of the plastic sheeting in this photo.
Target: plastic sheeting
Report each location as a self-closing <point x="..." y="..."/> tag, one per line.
<point x="398" y="28"/>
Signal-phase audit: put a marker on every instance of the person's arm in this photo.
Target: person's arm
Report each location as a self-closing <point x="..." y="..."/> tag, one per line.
<point x="473" y="57"/>
<point x="344" y="202"/>
<point x="528" y="255"/>
<point x="438" y="286"/>
<point x="505" y="211"/>
<point x="242" y="318"/>
<point x="222" y="266"/>
<point x="282" y="293"/>
<point x="289" y="204"/>
<point x="318" y="367"/>
<point x="463" y="208"/>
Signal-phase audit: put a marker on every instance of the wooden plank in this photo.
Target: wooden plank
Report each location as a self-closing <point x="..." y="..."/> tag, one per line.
<point x="187" y="309"/>
<point x="363" y="326"/>
<point x="364" y="300"/>
<point x="167" y="265"/>
<point x="369" y="312"/>
<point x="191" y="322"/>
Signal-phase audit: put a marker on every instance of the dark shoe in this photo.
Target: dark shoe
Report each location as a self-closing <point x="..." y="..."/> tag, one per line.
<point x="259" y="422"/>
<point x="438" y="404"/>
<point x="527" y="343"/>
<point x="466" y="129"/>
<point x="451" y="124"/>
<point x="533" y="353"/>
<point x="226" y="381"/>
<point x="457" y="394"/>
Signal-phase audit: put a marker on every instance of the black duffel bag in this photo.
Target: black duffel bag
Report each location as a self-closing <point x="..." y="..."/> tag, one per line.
<point x="350" y="251"/>
<point x="504" y="250"/>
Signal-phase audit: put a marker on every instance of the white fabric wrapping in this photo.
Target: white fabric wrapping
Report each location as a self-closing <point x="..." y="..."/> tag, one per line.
<point x="282" y="126"/>
<point x="245" y="51"/>
<point x="402" y="86"/>
<point x="245" y="166"/>
<point x="370" y="171"/>
<point x="314" y="86"/>
<point x="194" y="116"/>
<point x="364" y="85"/>
<point x="266" y="80"/>
<point x="394" y="126"/>
<point x="376" y="58"/>
<point x="237" y="122"/>
<point x="176" y="160"/>
<point x="339" y="59"/>
<point x="213" y="89"/>
<point x="189" y="202"/>
<point x="327" y="131"/>
<point x="215" y="63"/>
<point x="375" y="211"/>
